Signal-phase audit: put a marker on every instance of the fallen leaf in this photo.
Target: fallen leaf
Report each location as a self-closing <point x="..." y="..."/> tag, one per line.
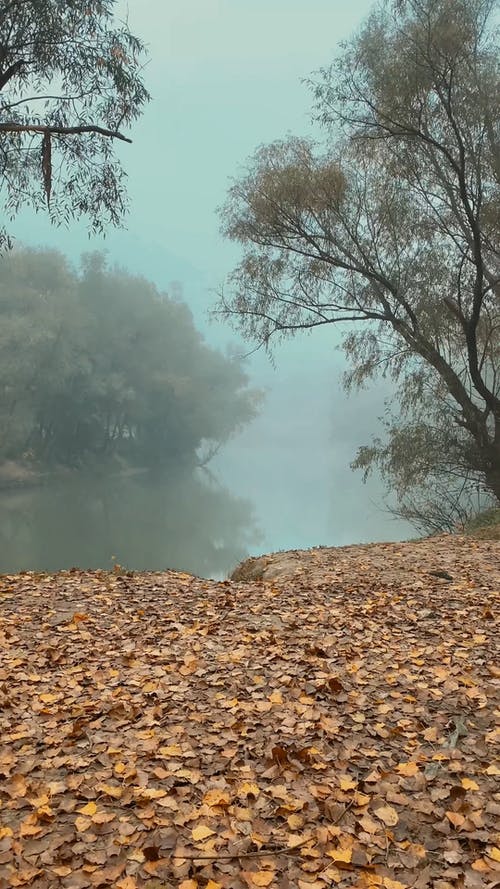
<point x="263" y="877"/>
<point x="388" y="815"/>
<point x="469" y="784"/>
<point x="201" y="832"/>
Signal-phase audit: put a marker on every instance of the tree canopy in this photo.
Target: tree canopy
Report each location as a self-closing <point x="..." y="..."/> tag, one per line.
<point x="112" y="406"/>
<point x="392" y="226"/>
<point x="70" y="84"/>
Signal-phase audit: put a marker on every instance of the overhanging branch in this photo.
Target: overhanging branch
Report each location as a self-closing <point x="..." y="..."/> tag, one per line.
<point x="11" y="127"/>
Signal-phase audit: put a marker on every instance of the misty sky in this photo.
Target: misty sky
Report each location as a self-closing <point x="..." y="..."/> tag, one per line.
<point x="225" y="76"/>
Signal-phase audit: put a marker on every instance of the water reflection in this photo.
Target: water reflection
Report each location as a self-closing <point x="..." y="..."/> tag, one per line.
<point x="143" y="521"/>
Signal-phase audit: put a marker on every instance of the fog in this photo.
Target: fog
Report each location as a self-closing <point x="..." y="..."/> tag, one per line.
<point x="225" y="77"/>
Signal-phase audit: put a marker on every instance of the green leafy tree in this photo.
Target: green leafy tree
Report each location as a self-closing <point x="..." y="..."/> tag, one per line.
<point x="392" y="227"/>
<point x="70" y="83"/>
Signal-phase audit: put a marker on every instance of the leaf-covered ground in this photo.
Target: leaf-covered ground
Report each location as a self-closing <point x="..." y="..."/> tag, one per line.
<point x="332" y="726"/>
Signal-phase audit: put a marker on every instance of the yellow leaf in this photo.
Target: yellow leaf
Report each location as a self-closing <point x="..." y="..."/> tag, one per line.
<point x="201" y="832"/>
<point x="408" y="769"/>
<point x="340" y="854"/>
<point x="6" y="832"/>
<point x="394" y="884"/>
<point x="120" y="768"/>
<point x="214" y="798"/>
<point x="171" y="750"/>
<point x="347" y="783"/>
<point x="48" y="698"/>
<point x="82" y="824"/>
<point x="89" y="809"/>
<point x="469" y="784"/>
<point x="248" y="788"/>
<point x="295" y="822"/>
<point x="111" y="790"/>
<point x="388" y="815"/>
<point x="494" y="853"/>
<point x="189" y="884"/>
<point x="492" y="770"/>
<point x="213" y="885"/>
<point x="275" y="698"/>
<point x="263" y="877"/>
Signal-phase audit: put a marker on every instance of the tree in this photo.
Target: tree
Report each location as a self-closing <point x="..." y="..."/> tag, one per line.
<point x="70" y="81"/>
<point x="114" y="370"/>
<point x="392" y="227"/>
<point x="111" y="406"/>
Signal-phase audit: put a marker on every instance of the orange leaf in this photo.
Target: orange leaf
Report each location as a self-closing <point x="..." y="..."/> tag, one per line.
<point x="263" y="877"/>
<point x="480" y="865"/>
<point x="408" y="769"/>
<point x="214" y="798"/>
<point x="456" y="818"/>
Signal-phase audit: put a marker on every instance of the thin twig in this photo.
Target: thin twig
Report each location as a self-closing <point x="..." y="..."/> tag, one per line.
<point x="279" y="850"/>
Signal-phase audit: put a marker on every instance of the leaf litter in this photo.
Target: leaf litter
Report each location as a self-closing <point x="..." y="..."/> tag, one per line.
<point x="337" y="725"/>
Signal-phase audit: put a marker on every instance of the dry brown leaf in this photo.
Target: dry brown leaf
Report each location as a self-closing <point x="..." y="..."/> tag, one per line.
<point x="387" y="814"/>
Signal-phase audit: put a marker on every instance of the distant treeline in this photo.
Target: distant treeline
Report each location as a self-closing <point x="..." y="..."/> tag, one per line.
<point x="111" y="407"/>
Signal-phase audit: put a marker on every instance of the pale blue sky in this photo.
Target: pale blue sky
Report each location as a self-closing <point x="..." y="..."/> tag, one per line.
<point x="225" y="76"/>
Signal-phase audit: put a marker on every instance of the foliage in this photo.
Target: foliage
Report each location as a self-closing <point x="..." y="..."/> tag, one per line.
<point x="336" y="726"/>
<point x="112" y="405"/>
<point x="103" y="366"/>
<point x="393" y="228"/>
<point x="70" y="81"/>
<point x="485" y="525"/>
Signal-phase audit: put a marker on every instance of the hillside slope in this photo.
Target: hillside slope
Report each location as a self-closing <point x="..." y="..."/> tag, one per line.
<point x="334" y="723"/>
